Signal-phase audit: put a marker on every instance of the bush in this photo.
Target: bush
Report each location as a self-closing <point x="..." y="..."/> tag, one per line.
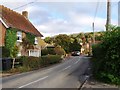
<point x="30" y="62"/>
<point x="50" y="59"/>
<point x="59" y="50"/>
<point x="107" y="57"/>
<point x="37" y="62"/>
<point x="48" y="51"/>
<point x="51" y="51"/>
<point x="44" y="52"/>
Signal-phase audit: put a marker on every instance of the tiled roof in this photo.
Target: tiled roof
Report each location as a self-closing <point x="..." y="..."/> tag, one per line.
<point x="16" y="20"/>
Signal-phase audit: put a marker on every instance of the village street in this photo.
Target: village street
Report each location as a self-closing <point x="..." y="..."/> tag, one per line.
<point x="68" y="74"/>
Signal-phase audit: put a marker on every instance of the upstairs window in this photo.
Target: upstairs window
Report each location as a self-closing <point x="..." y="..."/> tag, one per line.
<point x="36" y="40"/>
<point x="19" y="36"/>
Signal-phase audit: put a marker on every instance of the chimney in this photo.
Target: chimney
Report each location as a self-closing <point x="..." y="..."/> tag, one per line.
<point x="25" y="14"/>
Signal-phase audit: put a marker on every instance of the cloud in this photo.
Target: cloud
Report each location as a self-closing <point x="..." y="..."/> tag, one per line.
<point x="52" y="18"/>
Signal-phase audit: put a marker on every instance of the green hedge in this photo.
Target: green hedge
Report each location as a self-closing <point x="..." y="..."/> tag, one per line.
<point x="48" y="51"/>
<point x="50" y="59"/>
<point x="53" y="51"/>
<point x="107" y="57"/>
<point x="37" y="62"/>
<point x="30" y="62"/>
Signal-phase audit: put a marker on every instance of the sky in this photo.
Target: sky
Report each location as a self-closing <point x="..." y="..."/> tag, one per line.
<point x="53" y="17"/>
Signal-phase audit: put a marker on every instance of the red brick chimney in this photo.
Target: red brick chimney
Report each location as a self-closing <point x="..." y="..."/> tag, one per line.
<point x="25" y="14"/>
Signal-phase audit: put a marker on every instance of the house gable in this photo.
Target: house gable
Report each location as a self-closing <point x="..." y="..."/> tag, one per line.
<point x="18" y="21"/>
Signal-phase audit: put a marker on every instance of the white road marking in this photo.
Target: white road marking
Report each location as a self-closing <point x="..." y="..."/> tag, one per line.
<point x="66" y="68"/>
<point x="50" y="68"/>
<point x="76" y="62"/>
<point x="33" y="82"/>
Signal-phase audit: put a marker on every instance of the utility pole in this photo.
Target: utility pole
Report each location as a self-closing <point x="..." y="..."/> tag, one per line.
<point x="119" y="13"/>
<point x="93" y="32"/>
<point x="108" y="15"/>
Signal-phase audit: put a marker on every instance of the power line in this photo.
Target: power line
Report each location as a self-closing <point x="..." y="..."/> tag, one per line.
<point x="24" y="5"/>
<point x="96" y="11"/>
<point x="93" y="24"/>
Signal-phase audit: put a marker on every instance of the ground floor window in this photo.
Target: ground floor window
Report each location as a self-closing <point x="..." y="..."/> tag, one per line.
<point x="35" y="53"/>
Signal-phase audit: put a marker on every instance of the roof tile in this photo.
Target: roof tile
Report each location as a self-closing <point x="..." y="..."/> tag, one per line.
<point x="16" y="20"/>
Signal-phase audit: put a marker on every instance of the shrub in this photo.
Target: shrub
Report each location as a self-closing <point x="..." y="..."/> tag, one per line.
<point x="30" y="62"/>
<point x="48" y="51"/>
<point x="44" y="52"/>
<point x="51" y="51"/>
<point x="59" y="50"/>
<point x="107" y="57"/>
<point x="50" y="59"/>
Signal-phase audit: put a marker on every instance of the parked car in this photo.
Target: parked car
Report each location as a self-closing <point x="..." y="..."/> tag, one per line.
<point x="76" y="53"/>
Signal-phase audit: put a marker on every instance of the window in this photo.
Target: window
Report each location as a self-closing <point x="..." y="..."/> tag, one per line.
<point x="35" y="53"/>
<point x="19" y="36"/>
<point x="36" y="41"/>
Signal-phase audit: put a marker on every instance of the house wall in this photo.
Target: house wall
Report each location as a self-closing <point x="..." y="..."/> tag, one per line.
<point x="39" y="45"/>
<point x="2" y="34"/>
<point x="21" y="49"/>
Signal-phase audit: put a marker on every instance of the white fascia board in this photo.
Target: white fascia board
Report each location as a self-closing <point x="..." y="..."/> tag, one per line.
<point x="4" y="23"/>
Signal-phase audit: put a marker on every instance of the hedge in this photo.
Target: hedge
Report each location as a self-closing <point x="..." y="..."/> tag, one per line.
<point x="107" y="57"/>
<point x="48" y="51"/>
<point x="50" y="59"/>
<point x="37" y="62"/>
<point x="30" y="62"/>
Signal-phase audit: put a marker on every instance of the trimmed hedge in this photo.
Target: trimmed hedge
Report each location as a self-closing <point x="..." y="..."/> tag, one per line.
<point x="48" y="51"/>
<point x="50" y="59"/>
<point x="37" y="62"/>
<point x="30" y="62"/>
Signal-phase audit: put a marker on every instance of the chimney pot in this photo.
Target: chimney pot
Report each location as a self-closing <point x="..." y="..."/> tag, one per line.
<point x="25" y="14"/>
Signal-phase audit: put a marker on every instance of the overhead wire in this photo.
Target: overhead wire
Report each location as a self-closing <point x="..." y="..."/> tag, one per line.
<point x="24" y="5"/>
<point x="96" y="10"/>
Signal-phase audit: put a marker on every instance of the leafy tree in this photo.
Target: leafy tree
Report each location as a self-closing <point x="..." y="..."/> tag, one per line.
<point x="64" y="41"/>
<point x="14" y="53"/>
<point x="75" y="46"/>
<point x="48" y="40"/>
<point x="10" y="43"/>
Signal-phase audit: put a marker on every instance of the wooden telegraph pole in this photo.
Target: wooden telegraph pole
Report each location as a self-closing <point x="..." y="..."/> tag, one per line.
<point x="93" y="32"/>
<point x="108" y="15"/>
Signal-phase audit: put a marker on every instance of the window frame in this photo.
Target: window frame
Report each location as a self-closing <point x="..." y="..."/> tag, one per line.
<point x="19" y="35"/>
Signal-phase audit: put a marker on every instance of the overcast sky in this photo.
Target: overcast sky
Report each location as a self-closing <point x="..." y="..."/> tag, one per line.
<point x="66" y="16"/>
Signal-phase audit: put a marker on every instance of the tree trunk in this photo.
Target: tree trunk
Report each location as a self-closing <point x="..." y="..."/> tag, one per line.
<point x="13" y="63"/>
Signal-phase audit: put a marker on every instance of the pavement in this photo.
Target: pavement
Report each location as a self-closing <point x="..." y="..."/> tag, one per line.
<point x="92" y="84"/>
<point x="63" y="75"/>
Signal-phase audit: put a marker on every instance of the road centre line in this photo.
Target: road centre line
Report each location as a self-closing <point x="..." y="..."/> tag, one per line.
<point x="76" y="62"/>
<point x="66" y="68"/>
<point x="33" y="82"/>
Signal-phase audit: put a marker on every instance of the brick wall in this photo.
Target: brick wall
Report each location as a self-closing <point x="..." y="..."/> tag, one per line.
<point x="2" y="34"/>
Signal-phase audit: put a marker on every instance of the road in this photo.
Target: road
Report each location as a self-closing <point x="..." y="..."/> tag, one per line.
<point x="63" y="75"/>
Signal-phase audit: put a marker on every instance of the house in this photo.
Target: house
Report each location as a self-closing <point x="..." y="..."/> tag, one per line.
<point x="9" y="20"/>
<point x="42" y="43"/>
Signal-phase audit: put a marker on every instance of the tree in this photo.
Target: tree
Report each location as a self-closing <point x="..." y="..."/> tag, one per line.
<point x="13" y="54"/>
<point x="75" y="46"/>
<point x="63" y="40"/>
<point x="48" y="40"/>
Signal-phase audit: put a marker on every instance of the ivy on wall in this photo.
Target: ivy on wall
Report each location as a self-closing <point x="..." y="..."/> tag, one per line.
<point x="30" y="38"/>
<point x="10" y="38"/>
